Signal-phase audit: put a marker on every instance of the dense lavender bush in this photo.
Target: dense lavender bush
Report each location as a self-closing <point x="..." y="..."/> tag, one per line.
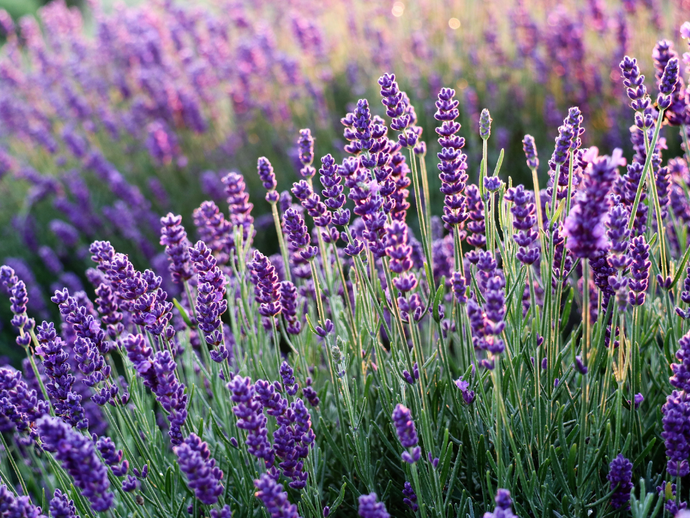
<point x="111" y="119"/>
<point x="511" y="351"/>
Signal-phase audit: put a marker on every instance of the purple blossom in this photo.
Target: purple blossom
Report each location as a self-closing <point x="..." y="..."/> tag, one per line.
<point x="60" y="382"/>
<point x="523" y="211"/>
<point x="370" y="507"/>
<point x="584" y="226"/>
<point x="210" y="302"/>
<point x="288" y="303"/>
<point x="238" y="203"/>
<point x="407" y="433"/>
<point x="20" y="407"/>
<point x="274" y="498"/>
<point x="174" y="238"/>
<point x="620" y="478"/>
<point x="251" y="418"/>
<point x="213" y="229"/>
<point x="676" y="434"/>
<point x="410" y="499"/>
<point x="298" y="234"/>
<point x="267" y="286"/>
<point x="78" y="457"/>
<point x="504" y="505"/>
<point x="453" y="162"/>
<point x="467" y="394"/>
<point x="61" y="506"/>
<point x="268" y="178"/>
<point x="203" y="476"/>
<point x="639" y="271"/>
<point x="305" y="146"/>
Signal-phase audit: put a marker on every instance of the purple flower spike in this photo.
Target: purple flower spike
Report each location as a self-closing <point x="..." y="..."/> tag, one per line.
<point x="410" y="499"/>
<point x="61" y="506"/>
<point x="467" y="394"/>
<point x="238" y="203"/>
<point x="530" y="149"/>
<point x="305" y="146"/>
<point x="202" y="474"/>
<point x="20" y="407"/>
<point x="288" y="303"/>
<point x="523" y="211"/>
<point x="639" y="270"/>
<point x="298" y="234"/>
<point x="676" y="434"/>
<point x="504" y="505"/>
<point x="407" y="433"/>
<point x="274" y="498"/>
<point x="584" y="226"/>
<point x="174" y="238"/>
<point x="266" y="174"/>
<point x="620" y="478"/>
<point x="78" y="457"/>
<point x="370" y="507"/>
<point x="265" y="280"/>
<point x="668" y="83"/>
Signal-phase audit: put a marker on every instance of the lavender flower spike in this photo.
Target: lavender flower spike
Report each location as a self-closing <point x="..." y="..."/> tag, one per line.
<point x="202" y="474"/>
<point x="370" y="507"/>
<point x="268" y="178"/>
<point x="78" y="457"/>
<point x="274" y="498"/>
<point x="530" y="150"/>
<point x="620" y="477"/>
<point x="407" y="433"/>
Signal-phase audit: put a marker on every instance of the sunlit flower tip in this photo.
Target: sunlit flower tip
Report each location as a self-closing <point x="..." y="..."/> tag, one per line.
<point x="685" y="31"/>
<point x="530" y="149"/>
<point x="266" y="174"/>
<point x="485" y="124"/>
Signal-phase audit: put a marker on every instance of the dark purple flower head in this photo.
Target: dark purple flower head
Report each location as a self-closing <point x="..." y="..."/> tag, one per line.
<point x="530" y="150"/>
<point x="61" y="506"/>
<point x="274" y="498"/>
<point x="288" y="303"/>
<point x="266" y="174"/>
<point x="676" y="434"/>
<point x="266" y="284"/>
<point x="238" y="202"/>
<point x="298" y="234"/>
<point x="77" y="455"/>
<point x="504" y="505"/>
<point x="668" y="83"/>
<point x="305" y="145"/>
<point x="639" y="270"/>
<point x="681" y="371"/>
<point x="634" y="83"/>
<point x="584" y="226"/>
<point x="60" y="381"/>
<point x="203" y="476"/>
<point x="370" y="507"/>
<point x="20" y="406"/>
<point x="358" y="128"/>
<point x="620" y="478"/>
<point x="580" y="366"/>
<point x="523" y="211"/>
<point x="410" y="499"/>
<point x="407" y="433"/>
<point x="467" y="394"/>
<point x="174" y="238"/>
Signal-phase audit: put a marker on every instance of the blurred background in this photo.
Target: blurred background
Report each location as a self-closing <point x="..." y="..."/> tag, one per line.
<point x="114" y="113"/>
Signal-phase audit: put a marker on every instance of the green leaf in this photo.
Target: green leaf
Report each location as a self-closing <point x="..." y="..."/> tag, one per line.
<point x="183" y="313"/>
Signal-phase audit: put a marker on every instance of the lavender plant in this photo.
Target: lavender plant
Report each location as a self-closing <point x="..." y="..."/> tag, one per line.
<point x="524" y="354"/>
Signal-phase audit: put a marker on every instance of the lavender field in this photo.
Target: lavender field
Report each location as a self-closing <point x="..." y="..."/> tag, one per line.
<point x="330" y="258"/>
